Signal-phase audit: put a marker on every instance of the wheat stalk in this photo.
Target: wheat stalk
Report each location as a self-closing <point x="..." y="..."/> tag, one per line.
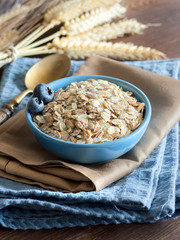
<point x="46" y="39"/>
<point x="36" y="51"/>
<point x="83" y="33"/>
<point x="112" y="30"/>
<point x="120" y="51"/>
<point x="67" y="12"/>
<point x="14" y="53"/>
<point x="85" y="21"/>
<point x="93" y="18"/>
<point x="30" y="37"/>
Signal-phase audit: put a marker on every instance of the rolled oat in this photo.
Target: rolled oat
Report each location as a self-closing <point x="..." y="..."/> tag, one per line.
<point x="91" y="111"/>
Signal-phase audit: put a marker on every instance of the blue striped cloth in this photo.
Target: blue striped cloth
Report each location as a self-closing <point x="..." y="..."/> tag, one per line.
<point x="150" y="193"/>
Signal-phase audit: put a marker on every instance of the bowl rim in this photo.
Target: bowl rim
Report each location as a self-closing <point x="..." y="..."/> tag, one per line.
<point x="103" y="77"/>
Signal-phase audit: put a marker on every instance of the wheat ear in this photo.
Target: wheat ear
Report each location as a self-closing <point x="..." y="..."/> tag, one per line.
<point x="113" y="30"/>
<point x="79" y="7"/>
<point x="67" y="12"/>
<point x="53" y="12"/>
<point x="120" y="51"/>
<point x="87" y="20"/>
<point x="93" y="18"/>
<point x="64" y="12"/>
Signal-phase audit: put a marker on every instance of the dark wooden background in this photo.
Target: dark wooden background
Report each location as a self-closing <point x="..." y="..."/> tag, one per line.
<point x="165" y="38"/>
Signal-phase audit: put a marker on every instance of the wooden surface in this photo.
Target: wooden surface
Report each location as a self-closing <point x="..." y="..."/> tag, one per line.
<point x="169" y="230"/>
<point x="167" y="39"/>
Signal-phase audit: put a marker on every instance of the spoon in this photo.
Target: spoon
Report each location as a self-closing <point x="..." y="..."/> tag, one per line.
<point x="48" y="69"/>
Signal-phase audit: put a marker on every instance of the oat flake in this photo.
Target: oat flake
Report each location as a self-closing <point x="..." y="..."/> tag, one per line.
<point x="92" y="111"/>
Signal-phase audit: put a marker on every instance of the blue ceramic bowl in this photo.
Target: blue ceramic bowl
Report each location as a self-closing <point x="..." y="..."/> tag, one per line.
<point x="99" y="152"/>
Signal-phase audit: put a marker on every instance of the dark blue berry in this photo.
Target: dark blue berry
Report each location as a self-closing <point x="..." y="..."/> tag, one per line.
<point x="43" y="92"/>
<point x="35" y="105"/>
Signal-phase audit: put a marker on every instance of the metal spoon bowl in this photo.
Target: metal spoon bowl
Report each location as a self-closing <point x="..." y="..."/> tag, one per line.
<point x="48" y="69"/>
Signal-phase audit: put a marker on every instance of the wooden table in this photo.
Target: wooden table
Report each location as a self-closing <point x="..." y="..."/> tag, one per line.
<point x="167" y="39"/>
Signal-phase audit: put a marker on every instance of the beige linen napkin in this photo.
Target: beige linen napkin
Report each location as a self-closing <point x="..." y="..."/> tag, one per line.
<point x="23" y="159"/>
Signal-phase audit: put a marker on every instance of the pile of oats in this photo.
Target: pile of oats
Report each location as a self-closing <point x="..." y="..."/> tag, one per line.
<point x="92" y="111"/>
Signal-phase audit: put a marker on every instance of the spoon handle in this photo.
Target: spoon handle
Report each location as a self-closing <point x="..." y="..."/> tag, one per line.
<point x="16" y="100"/>
<point x="6" y="112"/>
<point x="7" y="109"/>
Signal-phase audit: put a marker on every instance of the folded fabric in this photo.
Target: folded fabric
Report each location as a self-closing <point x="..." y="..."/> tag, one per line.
<point x="26" y="161"/>
<point x="146" y="195"/>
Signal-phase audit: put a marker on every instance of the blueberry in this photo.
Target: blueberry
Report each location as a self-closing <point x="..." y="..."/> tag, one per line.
<point x="43" y="92"/>
<point x="35" y="105"/>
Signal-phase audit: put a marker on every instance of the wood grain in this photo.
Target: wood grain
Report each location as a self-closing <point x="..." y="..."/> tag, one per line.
<point x="168" y="230"/>
<point x="165" y="38"/>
